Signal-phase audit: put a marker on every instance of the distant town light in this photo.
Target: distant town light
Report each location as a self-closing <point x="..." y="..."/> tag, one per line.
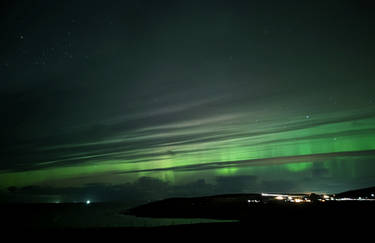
<point x="325" y="196"/>
<point x="88" y="202"/>
<point x="279" y="198"/>
<point x="372" y="195"/>
<point x="253" y="201"/>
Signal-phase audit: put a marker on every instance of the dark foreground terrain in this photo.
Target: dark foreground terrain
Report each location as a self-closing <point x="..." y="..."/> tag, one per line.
<point x="258" y="213"/>
<point x="246" y="214"/>
<point x="251" y="208"/>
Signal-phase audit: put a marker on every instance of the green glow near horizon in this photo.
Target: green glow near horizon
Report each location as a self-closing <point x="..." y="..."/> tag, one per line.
<point x="301" y="166"/>
<point x="358" y="135"/>
<point x="227" y="171"/>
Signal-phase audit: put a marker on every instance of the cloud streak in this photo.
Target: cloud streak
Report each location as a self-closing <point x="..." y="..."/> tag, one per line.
<point x="204" y="139"/>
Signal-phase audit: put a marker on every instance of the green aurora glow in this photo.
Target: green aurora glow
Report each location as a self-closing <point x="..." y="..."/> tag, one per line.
<point x="186" y="97"/>
<point x="235" y="155"/>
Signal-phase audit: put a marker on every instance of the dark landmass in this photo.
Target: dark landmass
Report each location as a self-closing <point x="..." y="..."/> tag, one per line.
<point x="364" y="193"/>
<point x="354" y="205"/>
<point x="250" y="214"/>
<point x="215" y="207"/>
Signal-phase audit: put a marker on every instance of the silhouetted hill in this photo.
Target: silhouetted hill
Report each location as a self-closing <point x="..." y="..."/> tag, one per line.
<point x="240" y="207"/>
<point x="216" y="207"/>
<point x="364" y="192"/>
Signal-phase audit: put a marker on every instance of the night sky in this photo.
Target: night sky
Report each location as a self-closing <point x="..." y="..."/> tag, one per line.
<point x="142" y="100"/>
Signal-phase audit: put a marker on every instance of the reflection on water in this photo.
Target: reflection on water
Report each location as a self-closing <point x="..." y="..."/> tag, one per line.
<point x="83" y="216"/>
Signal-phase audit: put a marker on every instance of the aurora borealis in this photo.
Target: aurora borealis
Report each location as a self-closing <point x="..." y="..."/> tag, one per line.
<point x="149" y="99"/>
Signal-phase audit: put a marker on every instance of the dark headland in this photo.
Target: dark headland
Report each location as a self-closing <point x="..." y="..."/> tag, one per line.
<point x="351" y="208"/>
<point x="340" y="213"/>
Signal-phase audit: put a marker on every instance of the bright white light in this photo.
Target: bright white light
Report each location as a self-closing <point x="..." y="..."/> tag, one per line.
<point x="297" y="200"/>
<point x="279" y="198"/>
<point x="372" y="195"/>
<point x="344" y="199"/>
<point x="325" y="196"/>
<point x="253" y="201"/>
<point x="88" y="202"/>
